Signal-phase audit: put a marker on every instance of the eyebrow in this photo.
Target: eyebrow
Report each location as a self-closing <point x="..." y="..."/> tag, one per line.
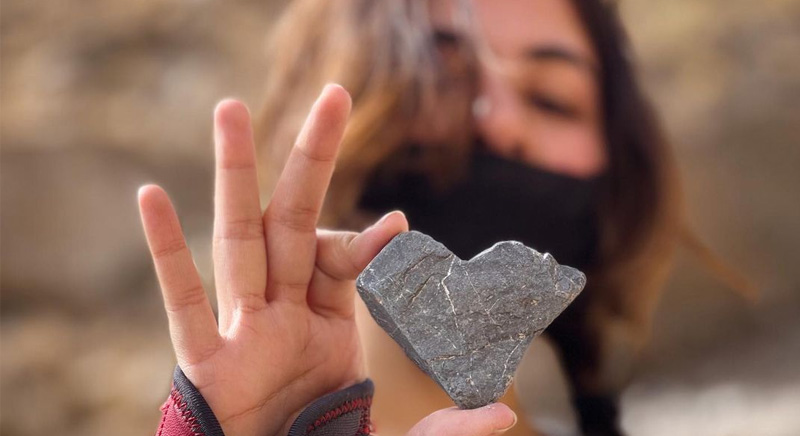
<point x="541" y="53"/>
<point x="556" y="53"/>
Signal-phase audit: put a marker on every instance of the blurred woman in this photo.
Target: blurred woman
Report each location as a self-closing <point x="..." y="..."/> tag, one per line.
<point x="486" y="121"/>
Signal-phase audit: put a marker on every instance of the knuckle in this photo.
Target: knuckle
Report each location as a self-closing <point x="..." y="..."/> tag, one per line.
<point x="298" y="218"/>
<point x="250" y="303"/>
<point x="244" y="229"/>
<point x="235" y="164"/>
<point x="170" y="248"/>
<point x="186" y="298"/>
<point x="317" y="157"/>
<point x="344" y="253"/>
<point x="292" y="291"/>
<point x="334" y="256"/>
<point x="291" y="288"/>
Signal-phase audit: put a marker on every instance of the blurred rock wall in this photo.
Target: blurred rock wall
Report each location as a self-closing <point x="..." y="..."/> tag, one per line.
<point x="726" y="76"/>
<point x="99" y="97"/>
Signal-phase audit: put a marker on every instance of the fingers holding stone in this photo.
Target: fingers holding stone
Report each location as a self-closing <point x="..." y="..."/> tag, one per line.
<point x="343" y="255"/>
<point x="340" y="258"/>
<point x="192" y="326"/>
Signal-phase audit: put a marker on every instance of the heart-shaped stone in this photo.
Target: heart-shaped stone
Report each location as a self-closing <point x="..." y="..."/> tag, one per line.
<point x="467" y="324"/>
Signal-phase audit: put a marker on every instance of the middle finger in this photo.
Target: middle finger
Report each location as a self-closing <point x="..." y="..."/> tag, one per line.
<point x="239" y="251"/>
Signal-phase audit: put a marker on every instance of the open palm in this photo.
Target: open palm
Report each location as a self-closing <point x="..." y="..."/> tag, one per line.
<point x="286" y="333"/>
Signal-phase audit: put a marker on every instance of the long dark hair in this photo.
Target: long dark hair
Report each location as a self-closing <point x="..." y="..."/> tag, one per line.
<point x="602" y="333"/>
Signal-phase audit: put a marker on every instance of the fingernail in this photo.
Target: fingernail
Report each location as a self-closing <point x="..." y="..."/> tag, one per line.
<point x="386" y="217"/>
<point x="325" y="90"/>
<point x="513" y="423"/>
<point x="383" y="218"/>
<point x="378" y="223"/>
<point x="142" y="190"/>
<point x="330" y="85"/>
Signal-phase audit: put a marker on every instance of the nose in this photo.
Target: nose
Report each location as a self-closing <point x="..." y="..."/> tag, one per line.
<point x="499" y="115"/>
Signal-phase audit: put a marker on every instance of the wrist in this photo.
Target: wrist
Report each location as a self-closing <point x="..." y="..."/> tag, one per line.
<point x="186" y="413"/>
<point x="347" y="410"/>
<point x="343" y="412"/>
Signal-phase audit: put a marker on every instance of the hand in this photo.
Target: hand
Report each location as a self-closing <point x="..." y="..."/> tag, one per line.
<point x="493" y="419"/>
<point x="286" y="332"/>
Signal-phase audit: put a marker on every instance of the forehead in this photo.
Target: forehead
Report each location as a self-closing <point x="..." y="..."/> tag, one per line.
<point x="514" y="27"/>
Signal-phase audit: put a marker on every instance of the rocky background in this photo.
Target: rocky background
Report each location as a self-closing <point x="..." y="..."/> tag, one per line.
<point x="99" y="97"/>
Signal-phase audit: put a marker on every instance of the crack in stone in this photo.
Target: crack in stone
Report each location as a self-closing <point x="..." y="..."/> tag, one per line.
<point x="505" y="365"/>
<point x="414" y="266"/>
<point x="455" y="347"/>
<point x="469" y="376"/>
<point x="445" y="357"/>
<point x="418" y="291"/>
<point x="447" y="290"/>
<point x="470" y="352"/>
<point x="478" y="296"/>
<point x="496" y="300"/>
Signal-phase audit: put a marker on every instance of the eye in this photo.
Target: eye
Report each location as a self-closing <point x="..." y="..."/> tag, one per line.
<point x="551" y="105"/>
<point x="446" y="39"/>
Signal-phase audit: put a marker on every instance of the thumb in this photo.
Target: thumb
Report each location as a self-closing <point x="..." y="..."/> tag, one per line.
<point x="493" y="419"/>
<point x="343" y="255"/>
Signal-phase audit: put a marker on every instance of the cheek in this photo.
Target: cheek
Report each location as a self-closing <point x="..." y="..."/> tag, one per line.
<point x="575" y="149"/>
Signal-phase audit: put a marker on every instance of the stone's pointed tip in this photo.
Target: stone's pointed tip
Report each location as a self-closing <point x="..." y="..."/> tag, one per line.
<point x="574" y="275"/>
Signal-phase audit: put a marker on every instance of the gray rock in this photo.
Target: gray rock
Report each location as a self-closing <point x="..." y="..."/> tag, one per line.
<point x="467" y="324"/>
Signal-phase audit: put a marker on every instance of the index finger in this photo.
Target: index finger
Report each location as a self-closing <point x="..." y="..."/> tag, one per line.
<point x="291" y="217"/>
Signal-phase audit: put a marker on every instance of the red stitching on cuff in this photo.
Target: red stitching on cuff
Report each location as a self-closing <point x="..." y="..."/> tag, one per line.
<point x="358" y="404"/>
<point x="185" y="413"/>
<point x="163" y="422"/>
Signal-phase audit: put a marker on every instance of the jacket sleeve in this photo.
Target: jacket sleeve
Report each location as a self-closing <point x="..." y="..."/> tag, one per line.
<point x="341" y="413"/>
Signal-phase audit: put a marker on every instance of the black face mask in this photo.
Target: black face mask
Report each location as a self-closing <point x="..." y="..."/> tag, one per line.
<point x="499" y="199"/>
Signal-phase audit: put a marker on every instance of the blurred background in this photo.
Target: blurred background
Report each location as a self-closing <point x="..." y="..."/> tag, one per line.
<point x="99" y="97"/>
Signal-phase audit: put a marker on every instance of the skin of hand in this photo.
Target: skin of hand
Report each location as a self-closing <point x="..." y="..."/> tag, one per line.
<point x="493" y="419"/>
<point x="285" y="290"/>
